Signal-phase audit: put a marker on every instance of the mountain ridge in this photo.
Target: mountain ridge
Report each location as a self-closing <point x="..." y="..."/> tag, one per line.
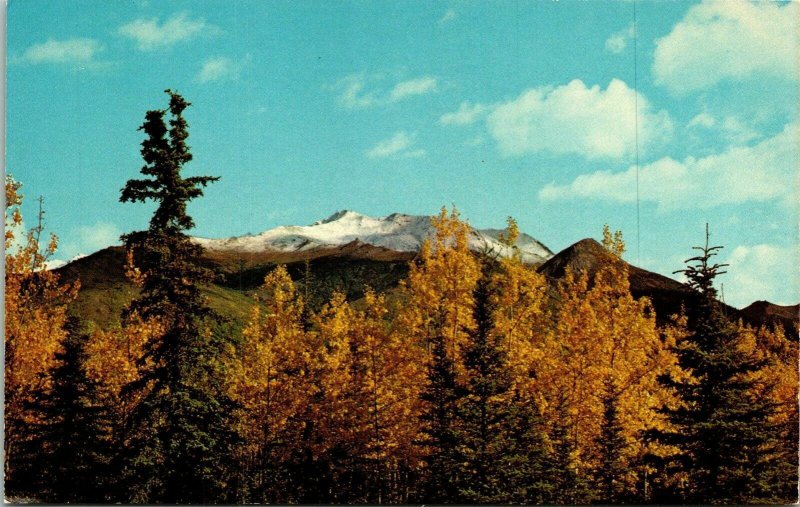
<point x="398" y="232"/>
<point x="347" y="251"/>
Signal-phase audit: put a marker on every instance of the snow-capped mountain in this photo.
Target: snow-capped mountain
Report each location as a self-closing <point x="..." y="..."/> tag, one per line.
<point x="398" y="232"/>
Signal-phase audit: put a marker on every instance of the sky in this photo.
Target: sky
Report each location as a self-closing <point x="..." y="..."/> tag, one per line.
<point x="548" y="111"/>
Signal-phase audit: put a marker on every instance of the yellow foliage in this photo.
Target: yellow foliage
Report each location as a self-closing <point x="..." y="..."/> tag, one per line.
<point x="35" y="313"/>
<point x="602" y="336"/>
<point x="438" y="291"/>
<point x="112" y="355"/>
<point x="268" y="375"/>
<point x="518" y="296"/>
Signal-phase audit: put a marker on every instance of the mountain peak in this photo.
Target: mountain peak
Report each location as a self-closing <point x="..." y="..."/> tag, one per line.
<point x="340" y="215"/>
<point x="397" y="232"/>
<point x="583" y="255"/>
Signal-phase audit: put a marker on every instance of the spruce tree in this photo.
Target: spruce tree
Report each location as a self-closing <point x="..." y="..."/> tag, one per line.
<point x="441" y="434"/>
<point x="179" y="434"/>
<point x="611" y="445"/>
<point x="67" y="458"/>
<point x="721" y="426"/>
<point x="485" y="409"/>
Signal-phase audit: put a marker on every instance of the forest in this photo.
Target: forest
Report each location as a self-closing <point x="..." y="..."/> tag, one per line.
<point x="476" y="383"/>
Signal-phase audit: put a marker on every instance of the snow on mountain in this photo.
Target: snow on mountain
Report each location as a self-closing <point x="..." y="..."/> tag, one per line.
<point x="398" y="232"/>
<point x="58" y="263"/>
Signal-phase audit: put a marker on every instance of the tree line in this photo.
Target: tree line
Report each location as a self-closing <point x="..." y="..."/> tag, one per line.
<point x="473" y="382"/>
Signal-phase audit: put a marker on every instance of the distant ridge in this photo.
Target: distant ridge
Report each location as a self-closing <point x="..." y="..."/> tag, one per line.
<point x="666" y="294"/>
<point x="397" y="232"/>
<point x="347" y="251"/>
<point x="786" y="316"/>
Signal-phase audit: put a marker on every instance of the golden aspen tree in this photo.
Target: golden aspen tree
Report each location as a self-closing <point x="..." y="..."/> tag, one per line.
<point x="369" y="399"/>
<point x="437" y="295"/>
<point x="112" y="356"/>
<point x="604" y="344"/>
<point x="518" y="296"/>
<point x="777" y="382"/>
<point x="267" y="373"/>
<point x="35" y="313"/>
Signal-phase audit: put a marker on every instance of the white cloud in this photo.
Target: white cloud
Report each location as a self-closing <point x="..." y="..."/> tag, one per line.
<point x="703" y="120"/>
<point x="220" y="68"/>
<point x="719" y="40"/>
<point x="419" y="86"/>
<point x="467" y="113"/>
<point x="75" y="51"/>
<point x="353" y="92"/>
<point x="400" y="144"/>
<point x="475" y="141"/>
<point x="618" y="41"/>
<point x="97" y="236"/>
<point x="573" y="118"/>
<point x="762" y="172"/>
<point x="353" y="95"/>
<point x="731" y="128"/>
<point x="449" y="15"/>
<point x="761" y="272"/>
<point x="150" y="35"/>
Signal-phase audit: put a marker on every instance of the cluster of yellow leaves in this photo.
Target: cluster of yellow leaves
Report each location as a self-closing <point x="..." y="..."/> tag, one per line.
<point x="112" y="356"/>
<point x="269" y="374"/>
<point x="601" y="336"/>
<point x="35" y="314"/>
<point x="350" y="381"/>
<point x="518" y="297"/>
<point x="373" y="381"/>
<point x="779" y="379"/>
<point x="438" y="297"/>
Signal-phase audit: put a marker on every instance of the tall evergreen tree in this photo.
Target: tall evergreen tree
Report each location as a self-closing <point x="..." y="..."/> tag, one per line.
<point x="441" y="434"/>
<point x="611" y="444"/>
<point x="67" y="458"/>
<point x="528" y="464"/>
<point x="485" y="409"/>
<point x="720" y="427"/>
<point x="179" y="433"/>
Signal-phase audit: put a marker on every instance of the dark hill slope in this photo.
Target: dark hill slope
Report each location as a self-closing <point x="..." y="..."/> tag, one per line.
<point x="349" y="268"/>
<point x="666" y="294"/>
<point x="764" y="311"/>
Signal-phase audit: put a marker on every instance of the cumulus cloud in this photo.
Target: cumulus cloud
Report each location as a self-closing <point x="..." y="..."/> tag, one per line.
<point x="467" y="113"/>
<point x="721" y="40"/>
<point x="618" y="41"/>
<point x="354" y="93"/>
<point x="419" y="86"/>
<point x="220" y="68"/>
<point x="74" y="51"/>
<point x="574" y="118"/>
<point x="151" y="35"/>
<point x="731" y="129"/>
<point x="400" y="144"/>
<point x="703" y="120"/>
<point x="762" y="172"/>
<point x="761" y="272"/>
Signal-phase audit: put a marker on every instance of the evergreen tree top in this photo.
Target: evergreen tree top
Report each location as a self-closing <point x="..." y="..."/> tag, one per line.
<point x="700" y="271"/>
<point x="165" y="152"/>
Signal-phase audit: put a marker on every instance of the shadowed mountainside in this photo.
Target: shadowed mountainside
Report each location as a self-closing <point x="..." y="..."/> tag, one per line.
<point x="349" y="268"/>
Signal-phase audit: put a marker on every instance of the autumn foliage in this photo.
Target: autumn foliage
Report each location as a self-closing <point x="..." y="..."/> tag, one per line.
<point x="477" y="380"/>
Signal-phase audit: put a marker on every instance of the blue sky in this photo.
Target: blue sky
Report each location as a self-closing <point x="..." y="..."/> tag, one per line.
<point x="523" y="108"/>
